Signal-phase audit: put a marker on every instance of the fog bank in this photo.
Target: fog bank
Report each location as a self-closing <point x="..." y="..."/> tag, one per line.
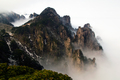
<point x="108" y="67"/>
<point x="20" y="22"/>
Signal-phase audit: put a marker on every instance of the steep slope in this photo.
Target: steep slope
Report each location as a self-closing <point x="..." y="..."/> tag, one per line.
<point x="45" y="31"/>
<point x="8" y="17"/>
<point x="4" y="49"/>
<point x="11" y="53"/>
<point x="85" y="39"/>
<point x="6" y="27"/>
<point x="33" y="15"/>
<point x="4" y="20"/>
<point x="12" y="16"/>
<point x="51" y="38"/>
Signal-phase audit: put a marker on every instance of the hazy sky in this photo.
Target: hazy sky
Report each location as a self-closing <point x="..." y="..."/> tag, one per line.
<point x="81" y="11"/>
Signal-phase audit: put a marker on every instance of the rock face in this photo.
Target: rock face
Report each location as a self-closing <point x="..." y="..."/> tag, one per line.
<point x="33" y="15"/>
<point x="8" y="17"/>
<point x="3" y="20"/>
<point x="11" y="16"/>
<point x="12" y="53"/>
<point x="66" y="21"/>
<point x="82" y="62"/>
<point x="22" y="17"/>
<point x="85" y="39"/>
<point x="50" y="37"/>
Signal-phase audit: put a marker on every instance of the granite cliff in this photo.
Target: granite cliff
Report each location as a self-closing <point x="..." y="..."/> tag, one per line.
<point x="48" y="40"/>
<point x="85" y="39"/>
<point x="8" y="17"/>
<point x="33" y="15"/>
<point x="50" y="37"/>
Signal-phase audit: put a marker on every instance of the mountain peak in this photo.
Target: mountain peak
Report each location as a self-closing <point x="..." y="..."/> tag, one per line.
<point x="49" y="11"/>
<point x="87" y="25"/>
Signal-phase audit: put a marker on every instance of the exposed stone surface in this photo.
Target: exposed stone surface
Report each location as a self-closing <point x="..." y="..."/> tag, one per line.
<point x="8" y="17"/>
<point x="50" y="37"/>
<point x="3" y="20"/>
<point x="13" y="54"/>
<point x="85" y="39"/>
<point x="22" y="17"/>
<point x="33" y="15"/>
<point x="11" y="16"/>
<point x="66" y="21"/>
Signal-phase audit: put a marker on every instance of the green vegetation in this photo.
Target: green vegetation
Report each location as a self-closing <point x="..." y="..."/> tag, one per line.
<point x="20" y="30"/>
<point x="4" y="49"/>
<point x="13" y="45"/>
<point x="22" y="57"/>
<point x="11" y="71"/>
<point x="27" y="73"/>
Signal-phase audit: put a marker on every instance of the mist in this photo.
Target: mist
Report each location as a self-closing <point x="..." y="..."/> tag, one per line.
<point x="103" y="16"/>
<point x="108" y="65"/>
<point x="20" y="22"/>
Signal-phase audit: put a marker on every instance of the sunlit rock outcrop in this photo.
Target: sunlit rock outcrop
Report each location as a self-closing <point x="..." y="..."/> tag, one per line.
<point x="49" y="38"/>
<point x="85" y="39"/>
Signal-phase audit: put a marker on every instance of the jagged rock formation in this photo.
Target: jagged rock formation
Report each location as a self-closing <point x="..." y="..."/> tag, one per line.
<point x="50" y="37"/>
<point x="9" y="17"/>
<point x="3" y="20"/>
<point x="45" y="35"/>
<point x="66" y="21"/>
<point x="11" y="53"/>
<point x="79" y="60"/>
<point x="85" y="39"/>
<point x="22" y="17"/>
<point x="33" y="15"/>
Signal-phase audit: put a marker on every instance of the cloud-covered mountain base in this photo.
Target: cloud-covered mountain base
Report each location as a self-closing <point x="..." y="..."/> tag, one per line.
<point x="108" y="67"/>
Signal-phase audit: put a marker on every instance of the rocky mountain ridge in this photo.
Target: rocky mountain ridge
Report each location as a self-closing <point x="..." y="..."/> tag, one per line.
<point x="33" y="15"/>
<point x="85" y="39"/>
<point x="8" y="17"/>
<point x="52" y="38"/>
<point x="13" y="53"/>
<point x="12" y="16"/>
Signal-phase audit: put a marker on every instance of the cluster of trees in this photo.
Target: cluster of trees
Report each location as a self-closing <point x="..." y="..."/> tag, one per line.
<point x="27" y="73"/>
<point x="4" y="49"/>
<point x="20" y="30"/>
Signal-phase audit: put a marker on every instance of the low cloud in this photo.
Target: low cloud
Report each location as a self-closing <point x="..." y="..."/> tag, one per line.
<point x="20" y="22"/>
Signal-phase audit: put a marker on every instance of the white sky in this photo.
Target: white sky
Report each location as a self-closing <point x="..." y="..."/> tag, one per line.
<point x="80" y="11"/>
<point x="103" y="15"/>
